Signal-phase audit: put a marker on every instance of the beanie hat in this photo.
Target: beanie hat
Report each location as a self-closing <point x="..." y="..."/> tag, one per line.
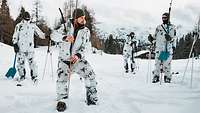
<point x="78" y="13"/>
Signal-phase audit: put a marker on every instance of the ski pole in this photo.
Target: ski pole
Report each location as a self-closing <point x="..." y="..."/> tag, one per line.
<point x="194" y="41"/>
<point x="188" y="60"/>
<point x="71" y="46"/>
<point x="161" y="72"/>
<point x="192" y="70"/>
<point x="149" y="66"/>
<point x="48" y="52"/>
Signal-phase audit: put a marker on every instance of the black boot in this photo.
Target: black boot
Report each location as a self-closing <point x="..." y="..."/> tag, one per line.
<point x="167" y="79"/>
<point x="126" y="71"/>
<point x="90" y="95"/>
<point x="89" y="102"/>
<point x="126" y="68"/>
<point x="61" y="106"/>
<point x="155" y="79"/>
<point x="132" y="68"/>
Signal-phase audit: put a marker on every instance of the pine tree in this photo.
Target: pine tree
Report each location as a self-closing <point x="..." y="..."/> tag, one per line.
<point x="183" y="46"/>
<point x="1" y="36"/>
<point x="4" y="8"/>
<point x="36" y="12"/>
<point x="38" y="19"/>
<point x="196" y="46"/>
<point x="90" y="23"/>
<point x="109" y="45"/>
<point x="6" y="23"/>
<point x="20" y="16"/>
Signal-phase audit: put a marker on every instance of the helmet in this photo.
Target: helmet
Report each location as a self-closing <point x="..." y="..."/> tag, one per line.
<point x="165" y="18"/>
<point x="26" y="16"/>
<point x="132" y="34"/>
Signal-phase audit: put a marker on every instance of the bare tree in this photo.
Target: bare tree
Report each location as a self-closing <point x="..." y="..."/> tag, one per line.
<point x="36" y="12"/>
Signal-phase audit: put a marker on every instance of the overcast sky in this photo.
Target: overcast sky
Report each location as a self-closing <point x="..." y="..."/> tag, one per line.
<point x="126" y="13"/>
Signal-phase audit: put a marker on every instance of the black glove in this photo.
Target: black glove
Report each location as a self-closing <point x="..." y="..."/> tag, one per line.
<point x="136" y="49"/>
<point x="194" y="33"/>
<point x="64" y="37"/>
<point x="150" y="38"/>
<point x="168" y="37"/>
<point x="133" y="43"/>
<point x="16" y="48"/>
<point x="173" y="48"/>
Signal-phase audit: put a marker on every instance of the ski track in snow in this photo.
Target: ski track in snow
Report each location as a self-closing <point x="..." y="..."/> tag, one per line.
<point x="118" y="92"/>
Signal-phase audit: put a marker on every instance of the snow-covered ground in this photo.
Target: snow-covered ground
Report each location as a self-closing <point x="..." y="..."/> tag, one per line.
<point x="118" y="92"/>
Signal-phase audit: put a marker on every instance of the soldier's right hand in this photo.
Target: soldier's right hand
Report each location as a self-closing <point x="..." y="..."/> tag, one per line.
<point x="150" y="38"/>
<point x="69" y="39"/>
<point x="16" y="48"/>
<point x="168" y="37"/>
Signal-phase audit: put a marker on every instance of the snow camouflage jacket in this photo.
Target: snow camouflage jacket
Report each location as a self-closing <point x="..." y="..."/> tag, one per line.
<point x="79" y="46"/>
<point x="160" y="40"/>
<point x="129" y="45"/>
<point x="24" y="35"/>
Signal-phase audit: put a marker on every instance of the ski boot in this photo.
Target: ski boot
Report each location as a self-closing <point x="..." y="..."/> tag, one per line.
<point x="20" y="81"/>
<point x="126" y="68"/>
<point x="133" y="70"/>
<point x="155" y="79"/>
<point x="167" y="79"/>
<point x="21" y="78"/>
<point x="61" y="106"/>
<point x="91" y="102"/>
<point x="126" y="71"/>
<point x="35" y="80"/>
<point x="133" y="67"/>
<point x="91" y="96"/>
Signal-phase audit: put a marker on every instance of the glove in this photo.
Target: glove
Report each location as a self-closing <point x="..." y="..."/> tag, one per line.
<point x="168" y="37"/>
<point x="194" y="33"/>
<point x="133" y="43"/>
<point x="150" y="38"/>
<point x="74" y="58"/>
<point x="16" y="48"/>
<point x="68" y="38"/>
<point x="136" y="49"/>
<point x="173" y="48"/>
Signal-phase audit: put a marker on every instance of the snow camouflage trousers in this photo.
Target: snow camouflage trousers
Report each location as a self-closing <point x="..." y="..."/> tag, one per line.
<point x="128" y="58"/>
<point x="81" y="67"/>
<point x="22" y="56"/>
<point x="165" y="65"/>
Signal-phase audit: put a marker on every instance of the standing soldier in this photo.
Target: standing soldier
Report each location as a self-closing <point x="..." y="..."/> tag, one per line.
<point x="72" y="59"/>
<point x="128" y="52"/>
<point x="165" y="45"/>
<point x="23" y="42"/>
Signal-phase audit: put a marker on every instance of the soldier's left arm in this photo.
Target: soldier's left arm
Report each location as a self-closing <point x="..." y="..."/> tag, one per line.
<point x="173" y="35"/>
<point x="38" y="32"/>
<point x="83" y="43"/>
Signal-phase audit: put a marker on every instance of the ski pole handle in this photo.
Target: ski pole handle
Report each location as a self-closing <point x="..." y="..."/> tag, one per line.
<point x="15" y="60"/>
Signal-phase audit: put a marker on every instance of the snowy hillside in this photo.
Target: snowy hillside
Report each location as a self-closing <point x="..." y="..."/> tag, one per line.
<point x="118" y="93"/>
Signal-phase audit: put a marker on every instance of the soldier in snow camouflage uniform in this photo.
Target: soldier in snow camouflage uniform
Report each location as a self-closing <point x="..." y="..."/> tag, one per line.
<point x="128" y="52"/>
<point x="23" y="42"/>
<point x="164" y="38"/>
<point x="79" y="35"/>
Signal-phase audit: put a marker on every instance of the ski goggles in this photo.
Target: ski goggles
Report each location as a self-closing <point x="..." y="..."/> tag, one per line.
<point x="164" y="17"/>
